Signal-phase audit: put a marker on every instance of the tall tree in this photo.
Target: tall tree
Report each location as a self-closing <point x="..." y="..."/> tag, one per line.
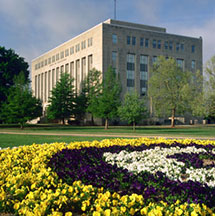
<point x="93" y="89"/>
<point x="109" y="100"/>
<point x="62" y="99"/>
<point x="210" y="88"/>
<point x="171" y="89"/>
<point x="21" y="106"/>
<point x="133" y="109"/>
<point x="11" y="64"/>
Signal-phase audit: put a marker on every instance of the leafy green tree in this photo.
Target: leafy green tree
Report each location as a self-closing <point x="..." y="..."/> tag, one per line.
<point x="93" y="89"/>
<point x="21" y="106"/>
<point x="133" y="109"/>
<point x="62" y="100"/>
<point x="210" y="88"/>
<point x="109" y="100"/>
<point x="11" y="64"/>
<point x="172" y="90"/>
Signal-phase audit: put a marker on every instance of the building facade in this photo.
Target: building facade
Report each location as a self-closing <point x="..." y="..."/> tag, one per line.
<point x="129" y="48"/>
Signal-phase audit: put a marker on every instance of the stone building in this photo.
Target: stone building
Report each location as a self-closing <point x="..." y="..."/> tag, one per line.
<point x="129" y="48"/>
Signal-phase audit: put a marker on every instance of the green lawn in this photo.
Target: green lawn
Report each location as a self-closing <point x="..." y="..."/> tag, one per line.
<point x="58" y="133"/>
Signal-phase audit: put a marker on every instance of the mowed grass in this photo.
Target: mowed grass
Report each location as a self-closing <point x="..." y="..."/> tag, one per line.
<point x="58" y="133"/>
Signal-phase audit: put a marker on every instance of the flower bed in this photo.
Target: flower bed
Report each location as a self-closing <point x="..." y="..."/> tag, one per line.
<point x="111" y="177"/>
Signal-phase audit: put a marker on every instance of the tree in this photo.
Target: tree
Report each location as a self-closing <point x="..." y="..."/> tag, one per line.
<point x="109" y="100"/>
<point x="62" y="99"/>
<point x="21" y="106"/>
<point x="210" y="88"/>
<point x="172" y="90"/>
<point x="11" y="64"/>
<point x="133" y="109"/>
<point x="93" y="89"/>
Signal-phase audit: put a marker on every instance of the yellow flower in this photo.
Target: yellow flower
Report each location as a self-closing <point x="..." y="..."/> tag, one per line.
<point x="95" y="213"/>
<point x="68" y="214"/>
<point x="132" y="211"/>
<point x="193" y="213"/>
<point x="16" y="206"/>
<point x="144" y="211"/>
<point x="123" y="209"/>
<point x="107" y="212"/>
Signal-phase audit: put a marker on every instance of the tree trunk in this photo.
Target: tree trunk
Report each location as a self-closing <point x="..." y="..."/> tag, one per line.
<point x="92" y="120"/>
<point x="173" y="119"/>
<point x="63" y="121"/>
<point x="134" y="126"/>
<point x="21" y="126"/>
<point x="106" y="124"/>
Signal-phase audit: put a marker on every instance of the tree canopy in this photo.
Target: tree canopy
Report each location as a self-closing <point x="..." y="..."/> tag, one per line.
<point x="173" y="91"/>
<point x="109" y="99"/>
<point x="62" y="99"/>
<point x="21" y="106"/>
<point x="11" y="64"/>
<point x="133" y="109"/>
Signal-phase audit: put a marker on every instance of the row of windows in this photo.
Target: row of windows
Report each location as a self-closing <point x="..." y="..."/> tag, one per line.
<point x="65" y="53"/>
<point x="46" y="81"/>
<point x="144" y="42"/>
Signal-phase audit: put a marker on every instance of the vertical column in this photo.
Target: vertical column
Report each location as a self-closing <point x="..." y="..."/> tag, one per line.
<point x="35" y="86"/>
<point x="38" y="93"/>
<point x="42" y="86"/>
<point x="49" y="83"/>
<point x="53" y="78"/>
<point x="45" y="87"/>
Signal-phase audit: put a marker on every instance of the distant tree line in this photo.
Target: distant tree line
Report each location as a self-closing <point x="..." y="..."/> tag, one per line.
<point x="171" y="91"/>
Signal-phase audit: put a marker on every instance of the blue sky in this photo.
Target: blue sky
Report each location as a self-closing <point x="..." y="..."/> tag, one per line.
<point x="32" y="27"/>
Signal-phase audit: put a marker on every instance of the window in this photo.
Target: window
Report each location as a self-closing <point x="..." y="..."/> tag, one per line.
<point x="159" y="44"/>
<point x="193" y="64"/>
<point x="90" y="62"/>
<point x="147" y="42"/>
<point x="62" y="54"/>
<point x="77" y="48"/>
<point x="114" y="61"/>
<point x="128" y="40"/>
<point x="83" y="68"/>
<point x="72" y="74"/>
<point x="177" y="47"/>
<point x="166" y="45"/>
<point x="133" y="41"/>
<point x="53" y="59"/>
<point x="114" y="38"/>
<point x="180" y="63"/>
<point x="154" y="59"/>
<point x="71" y="50"/>
<point x="49" y="61"/>
<point x="66" y="52"/>
<point x="143" y="74"/>
<point x="42" y="64"/>
<point x="61" y="69"/>
<point x="35" y="84"/>
<point x="182" y="47"/>
<point x="90" y="42"/>
<point x="141" y="41"/>
<point x="130" y="71"/>
<point x="170" y="45"/>
<point x="57" y="57"/>
<point x="193" y="48"/>
<point x="45" y="62"/>
<point x="154" y="43"/>
<point x="83" y="44"/>
<point x="67" y="68"/>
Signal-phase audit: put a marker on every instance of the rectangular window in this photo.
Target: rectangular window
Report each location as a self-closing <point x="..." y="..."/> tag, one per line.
<point x="166" y="45"/>
<point x="42" y="64"/>
<point x="53" y="59"/>
<point x="130" y="71"/>
<point x="45" y="62"/>
<point x="114" y="60"/>
<point x="90" y="42"/>
<point x="90" y="62"/>
<point x="154" y="59"/>
<point x="133" y="41"/>
<point x="83" y="68"/>
<point x="45" y="88"/>
<point x="57" y="74"/>
<point x="154" y="43"/>
<point x="141" y="41"/>
<point x="71" y="50"/>
<point x="53" y="78"/>
<point x="77" y="48"/>
<point x="78" y="78"/>
<point x="72" y="74"/>
<point x="180" y="63"/>
<point x="147" y="42"/>
<point x="177" y="47"/>
<point x="42" y="86"/>
<point x="193" y="48"/>
<point x="83" y="44"/>
<point x="57" y="56"/>
<point x="38" y="94"/>
<point x="49" y="83"/>
<point x="182" y="47"/>
<point x="170" y="45"/>
<point x="67" y="68"/>
<point x="66" y="52"/>
<point x="35" y="83"/>
<point x="159" y="44"/>
<point x="143" y="74"/>
<point x="62" y="54"/>
<point x="49" y="61"/>
<point x="193" y="64"/>
<point x="128" y="40"/>
<point x="114" y="38"/>
<point x="61" y="69"/>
